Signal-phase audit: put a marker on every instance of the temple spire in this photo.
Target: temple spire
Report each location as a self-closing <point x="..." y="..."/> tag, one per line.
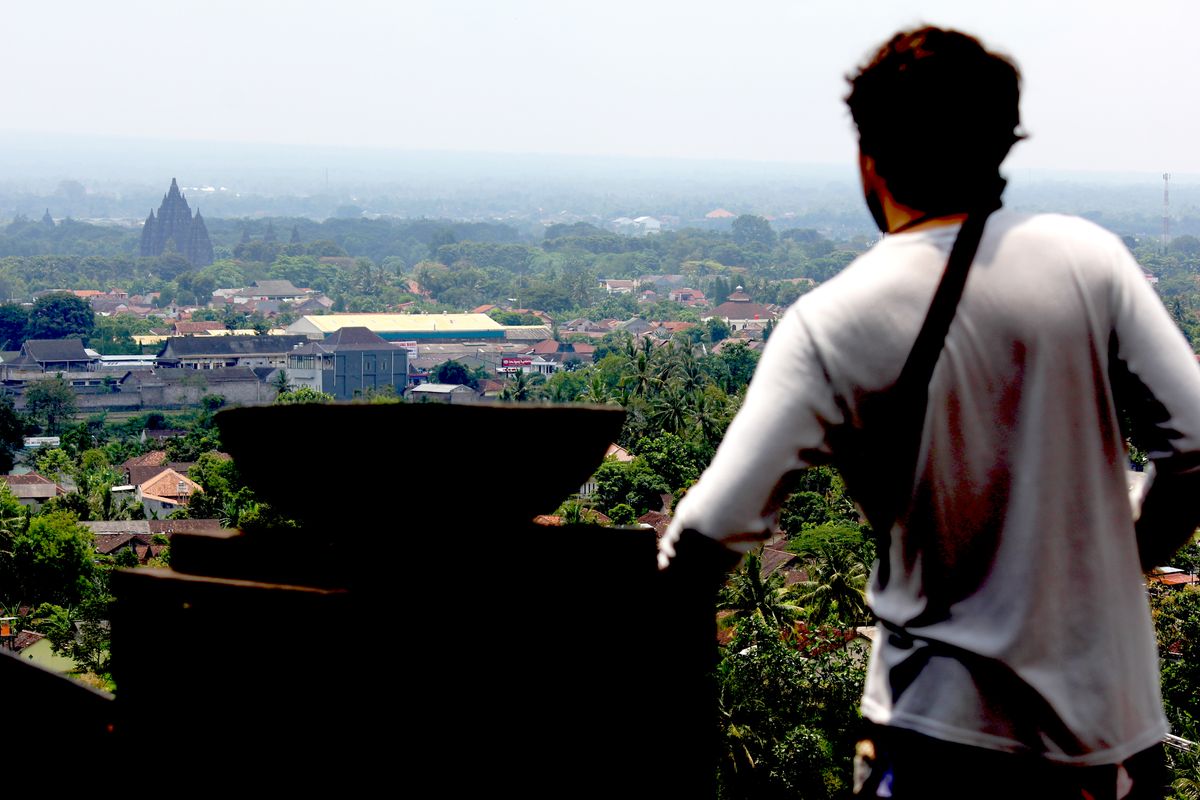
<point x="175" y="225"/>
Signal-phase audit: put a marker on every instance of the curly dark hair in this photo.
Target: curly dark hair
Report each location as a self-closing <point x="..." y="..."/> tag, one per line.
<point x="938" y="113"/>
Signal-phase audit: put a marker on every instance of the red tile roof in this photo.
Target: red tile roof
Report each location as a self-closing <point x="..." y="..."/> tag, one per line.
<point x="744" y="310"/>
<point x="28" y="479"/>
<point x="155" y="458"/>
<point x="186" y="328"/>
<point x="26" y="639"/>
<point x="1175" y="579"/>
<point x="166" y="484"/>
<point x="657" y="520"/>
<point x="108" y="543"/>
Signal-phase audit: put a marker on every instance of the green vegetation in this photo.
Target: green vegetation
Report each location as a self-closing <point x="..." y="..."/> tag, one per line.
<point x="790" y="677"/>
<point x="302" y="395"/>
<point x="376" y="265"/>
<point x="50" y="402"/>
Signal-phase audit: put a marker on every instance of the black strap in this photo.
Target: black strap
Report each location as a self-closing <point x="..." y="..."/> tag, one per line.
<point x="907" y="402"/>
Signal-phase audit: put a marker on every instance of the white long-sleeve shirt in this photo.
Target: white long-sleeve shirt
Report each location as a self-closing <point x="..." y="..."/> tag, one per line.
<point x="1020" y="524"/>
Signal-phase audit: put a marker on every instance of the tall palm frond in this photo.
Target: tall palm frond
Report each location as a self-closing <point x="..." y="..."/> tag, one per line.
<point x="669" y="410"/>
<point x="835" y="591"/>
<point x="596" y="391"/>
<point x="692" y="378"/>
<point x="639" y="375"/>
<point x="523" y="387"/>
<point x="750" y="593"/>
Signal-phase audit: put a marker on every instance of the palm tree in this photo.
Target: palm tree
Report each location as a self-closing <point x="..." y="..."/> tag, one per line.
<point x="709" y="416"/>
<point x="628" y="346"/>
<point x="281" y="382"/>
<point x="639" y="375"/>
<point x="835" y="591"/>
<point x="596" y="391"/>
<point x="1188" y="788"/>
<point x="523" y="387"/>
<point x="669" y="410"/>
<point x="668" y="366"/>
<point x="748" y="594"/>
<point x="692" y="378"/>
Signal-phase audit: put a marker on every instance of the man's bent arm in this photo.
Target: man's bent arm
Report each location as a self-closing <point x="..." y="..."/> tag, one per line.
<point x="779" y="429"/>
<point x="1160" y="382"/>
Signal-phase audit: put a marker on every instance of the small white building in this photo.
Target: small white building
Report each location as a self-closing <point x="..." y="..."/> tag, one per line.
<point x="443" y="393"/>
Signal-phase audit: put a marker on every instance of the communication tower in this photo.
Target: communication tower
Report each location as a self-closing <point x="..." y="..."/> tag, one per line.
<point x="1166" y="235"/>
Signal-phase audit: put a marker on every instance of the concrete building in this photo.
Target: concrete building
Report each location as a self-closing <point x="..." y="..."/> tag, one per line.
<point x="348" y="363"/>
<point x="214" y="352"/>
<point x="166" y="388"/>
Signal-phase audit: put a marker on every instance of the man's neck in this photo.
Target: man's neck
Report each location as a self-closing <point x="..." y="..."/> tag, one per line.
<point x="905" y="219"/>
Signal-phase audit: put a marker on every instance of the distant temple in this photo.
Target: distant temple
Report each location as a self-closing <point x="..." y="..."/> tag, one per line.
<point x="177" y="228"/>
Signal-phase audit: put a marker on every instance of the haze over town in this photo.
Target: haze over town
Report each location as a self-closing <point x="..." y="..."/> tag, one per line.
<point x="433" y="99"/>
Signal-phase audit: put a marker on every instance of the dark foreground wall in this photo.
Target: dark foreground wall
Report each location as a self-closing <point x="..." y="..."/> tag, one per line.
<point x="555" y="662"/>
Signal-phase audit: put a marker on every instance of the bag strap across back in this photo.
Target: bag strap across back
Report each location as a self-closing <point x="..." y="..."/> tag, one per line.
<point x="908" y="400"/>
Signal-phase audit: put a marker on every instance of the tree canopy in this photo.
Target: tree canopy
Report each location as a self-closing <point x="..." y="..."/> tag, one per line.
<point x="50" y="401"/>
<point x="60" y="316"/>
<point x="53" y="561"/>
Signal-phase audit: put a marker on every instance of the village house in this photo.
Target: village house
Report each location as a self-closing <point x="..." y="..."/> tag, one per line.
<point x="616" y="453"/>
<point x="317" y="304"/>
<point x="739" y="312"/>
<point x="165" y="492"/>
<point x="688" y="297"/>
<point x="144" y="536"/>
<point x="618" y="286"/>
<point x="32" y="490"/>
<point x="199" y="328"/>
<point x="443" y="393"/>
<point x="140" y="469"/>
<point x="561" y="352"/>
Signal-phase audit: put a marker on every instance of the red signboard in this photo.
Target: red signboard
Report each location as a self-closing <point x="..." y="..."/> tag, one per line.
<point x="516" y="362"/>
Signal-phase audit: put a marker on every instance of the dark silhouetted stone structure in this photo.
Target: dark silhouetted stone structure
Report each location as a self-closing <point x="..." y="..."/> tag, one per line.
<point x="425" y="633"/>
<point x="176" y="229"/>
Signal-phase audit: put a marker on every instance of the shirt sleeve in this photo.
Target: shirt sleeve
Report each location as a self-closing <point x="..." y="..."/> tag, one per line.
<point x="1156" y="379"/>
<point x="780" y="428"/>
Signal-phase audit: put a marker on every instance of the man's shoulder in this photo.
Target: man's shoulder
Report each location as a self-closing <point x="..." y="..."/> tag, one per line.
<point x="1065" y="228"/>
<point x="891" y="269"/>
<point x="906" y="268"/>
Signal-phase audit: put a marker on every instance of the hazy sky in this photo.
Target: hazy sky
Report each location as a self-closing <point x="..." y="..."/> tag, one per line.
<point x="1108" y="85"/>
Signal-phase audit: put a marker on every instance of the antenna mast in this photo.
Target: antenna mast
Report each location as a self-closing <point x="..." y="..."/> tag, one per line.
<point x="1166" y="234"/>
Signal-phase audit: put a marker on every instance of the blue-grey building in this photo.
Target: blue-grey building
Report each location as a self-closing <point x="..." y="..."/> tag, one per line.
<point x="348" y="363"/>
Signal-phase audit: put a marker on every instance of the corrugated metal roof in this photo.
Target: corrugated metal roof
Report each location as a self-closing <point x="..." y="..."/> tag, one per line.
<point x="440" y="388"/>
<point x="189" y="346"/>
<point x="527" y="333"/>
